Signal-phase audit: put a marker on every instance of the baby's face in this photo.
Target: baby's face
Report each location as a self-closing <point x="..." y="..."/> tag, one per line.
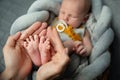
<point x="72" y="13"/>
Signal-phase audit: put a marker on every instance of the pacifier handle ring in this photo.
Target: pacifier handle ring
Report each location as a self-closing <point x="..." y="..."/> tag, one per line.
<point x="63" y="27"/>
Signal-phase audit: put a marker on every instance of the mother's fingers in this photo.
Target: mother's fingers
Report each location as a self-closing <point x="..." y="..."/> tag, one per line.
<point x="11" y="42"/>
<point x="30" y="30"/>
<point x="43" y="33"/>
<point x="55" y="39"/>
<point x="42" y="27"/>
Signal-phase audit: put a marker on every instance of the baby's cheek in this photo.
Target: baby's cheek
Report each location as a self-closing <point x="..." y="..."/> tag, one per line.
<point x="60" y="17"/>
<point x="75" y="24"/>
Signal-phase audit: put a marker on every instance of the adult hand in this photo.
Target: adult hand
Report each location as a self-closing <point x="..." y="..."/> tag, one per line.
<point x="18" y="63"/>
<point x="36" y="28"/>
<point x="58" y="62"/>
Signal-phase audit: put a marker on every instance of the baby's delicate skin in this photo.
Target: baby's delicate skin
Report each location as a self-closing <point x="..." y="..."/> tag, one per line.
<point x="75" y="16"/>
<point x="44" y="48"/>
<point x="32" y="48"/>
<point x="38" y="49"/>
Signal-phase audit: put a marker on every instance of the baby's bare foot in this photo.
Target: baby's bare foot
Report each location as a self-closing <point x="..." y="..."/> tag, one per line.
<point x="31" y="46"/>
<point x="44" y="48"/>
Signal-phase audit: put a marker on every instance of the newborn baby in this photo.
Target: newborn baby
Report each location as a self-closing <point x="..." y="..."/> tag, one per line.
<point x="73" y="16"/>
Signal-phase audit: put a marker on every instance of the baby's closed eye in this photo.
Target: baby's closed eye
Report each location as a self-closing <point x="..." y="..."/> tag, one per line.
<point x="74" y="17"/>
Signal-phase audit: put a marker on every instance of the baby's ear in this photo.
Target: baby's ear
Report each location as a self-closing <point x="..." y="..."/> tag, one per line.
<point x="85" y="18"/>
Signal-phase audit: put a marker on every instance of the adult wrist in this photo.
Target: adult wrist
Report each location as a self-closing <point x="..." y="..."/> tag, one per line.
<point x="6" y="75"/>
<point x="39" y="76"/>
<point x="9" y="74"/>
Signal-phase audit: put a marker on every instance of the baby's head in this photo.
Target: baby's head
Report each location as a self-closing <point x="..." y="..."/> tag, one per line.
<point x="74" y="12"/>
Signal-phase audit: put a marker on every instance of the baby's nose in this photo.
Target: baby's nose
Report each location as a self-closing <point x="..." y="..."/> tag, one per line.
<point x="65" y="19"/>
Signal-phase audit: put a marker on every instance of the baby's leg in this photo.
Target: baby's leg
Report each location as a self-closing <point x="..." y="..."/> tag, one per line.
<point x="44" y="48"/>
<point x="31" y="46"/>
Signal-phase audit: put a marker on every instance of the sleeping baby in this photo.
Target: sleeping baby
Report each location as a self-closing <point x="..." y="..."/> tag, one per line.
<point x="70" y="24"/>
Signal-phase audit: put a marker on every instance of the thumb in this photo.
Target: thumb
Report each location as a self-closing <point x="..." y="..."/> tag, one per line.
<point x="13" y="39"/>
<point x="64" y="58"/>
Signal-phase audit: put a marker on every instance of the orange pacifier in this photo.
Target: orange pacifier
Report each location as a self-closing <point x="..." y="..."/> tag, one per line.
<point x="68" y="30"/>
